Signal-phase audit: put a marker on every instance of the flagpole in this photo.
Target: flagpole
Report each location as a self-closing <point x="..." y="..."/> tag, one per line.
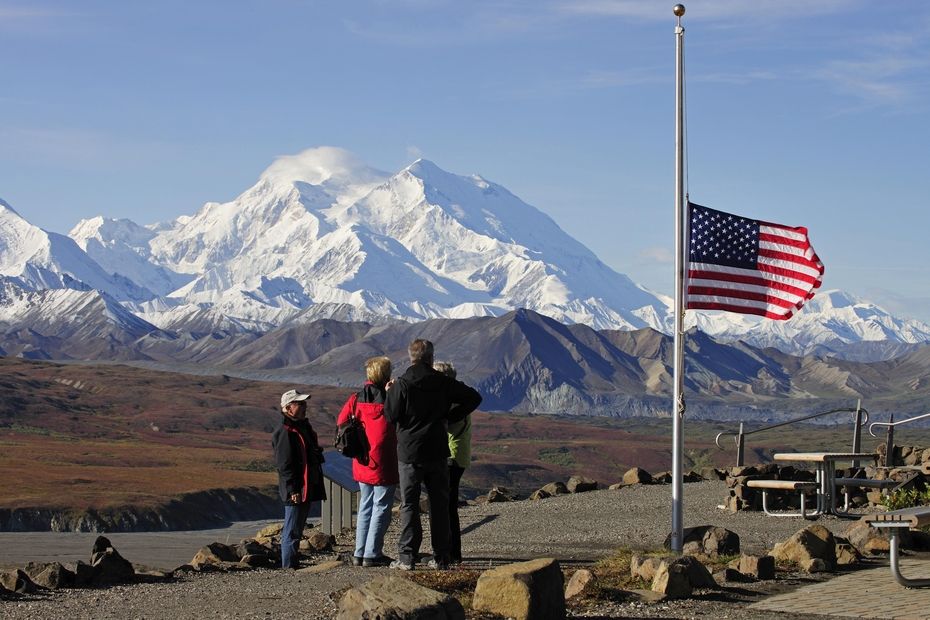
<point x="678" y="402"/>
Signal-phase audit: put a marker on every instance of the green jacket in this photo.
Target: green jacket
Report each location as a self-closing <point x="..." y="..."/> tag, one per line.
<point x="460" y="442"/>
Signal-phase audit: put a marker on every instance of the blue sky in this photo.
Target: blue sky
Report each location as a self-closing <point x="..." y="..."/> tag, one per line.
<point x="802" y="113"/>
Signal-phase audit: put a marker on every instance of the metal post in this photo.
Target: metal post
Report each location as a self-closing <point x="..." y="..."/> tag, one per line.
<point x="326" y="510"/>
<point x="889" y="443"/>
<point x="740" y="447"/>
<point x="857" y="433"/>
<point x="678" y="401"/>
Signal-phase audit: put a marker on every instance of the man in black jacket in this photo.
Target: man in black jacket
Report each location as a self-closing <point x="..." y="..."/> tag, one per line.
<point x="298" y="459"/>
<point x="421" y="403"/>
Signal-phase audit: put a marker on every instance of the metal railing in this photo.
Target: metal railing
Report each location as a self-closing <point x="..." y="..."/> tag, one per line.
<point x="340" y="486"/>
<point x="740" y="436"/>
<point x="889" y="441"/>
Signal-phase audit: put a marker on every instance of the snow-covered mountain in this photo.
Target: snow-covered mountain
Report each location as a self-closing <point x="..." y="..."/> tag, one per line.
<point x="832" y="323"/>
<point x="38" y="260"/>
<point x="322" y="233"/>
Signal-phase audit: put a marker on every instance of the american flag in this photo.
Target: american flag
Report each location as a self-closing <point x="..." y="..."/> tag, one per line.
<point x="747" y="266"/>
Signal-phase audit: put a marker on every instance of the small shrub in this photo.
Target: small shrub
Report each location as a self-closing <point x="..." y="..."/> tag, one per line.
<point x="907" y="498"/>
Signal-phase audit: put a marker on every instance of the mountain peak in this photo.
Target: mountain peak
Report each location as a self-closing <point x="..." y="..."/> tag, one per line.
<point x="322" y="166"/>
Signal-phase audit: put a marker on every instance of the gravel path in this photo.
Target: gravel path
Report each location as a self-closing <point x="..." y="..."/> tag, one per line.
<point x="572" y="528"/>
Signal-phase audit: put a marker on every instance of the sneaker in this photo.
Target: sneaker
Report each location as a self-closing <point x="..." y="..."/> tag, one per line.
<point x="357" y="561"/>
<point x="434" y="565"/>
<point x="378" y="561"/>
<point x="401" y="565"/>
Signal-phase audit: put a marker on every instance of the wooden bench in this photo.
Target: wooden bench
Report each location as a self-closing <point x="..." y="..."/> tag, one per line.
<point x="787" y="485"/>
<point x="894" y="520"/>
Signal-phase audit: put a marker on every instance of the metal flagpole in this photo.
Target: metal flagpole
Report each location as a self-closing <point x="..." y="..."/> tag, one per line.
<point x="678" y="401"/>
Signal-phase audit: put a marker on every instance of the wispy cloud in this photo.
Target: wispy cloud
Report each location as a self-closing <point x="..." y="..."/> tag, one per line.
<point x="77" y="149"/>
<point x="656" y="254"/>
<point x="32" y="20"/>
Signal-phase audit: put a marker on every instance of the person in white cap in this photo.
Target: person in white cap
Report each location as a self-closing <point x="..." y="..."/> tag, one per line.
<point x="298" y="459"/>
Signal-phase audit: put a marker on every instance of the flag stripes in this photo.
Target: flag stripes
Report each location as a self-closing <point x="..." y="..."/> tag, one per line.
<point x="747" y="266"/>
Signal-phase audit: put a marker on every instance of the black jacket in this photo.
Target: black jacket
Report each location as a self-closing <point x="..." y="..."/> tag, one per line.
<point x="293" y="440"/>
<point x="419" y="403"/>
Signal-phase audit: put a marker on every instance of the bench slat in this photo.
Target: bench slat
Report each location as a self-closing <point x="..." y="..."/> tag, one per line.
<point x="916" y="517"/>
<point x="784" y="485"/>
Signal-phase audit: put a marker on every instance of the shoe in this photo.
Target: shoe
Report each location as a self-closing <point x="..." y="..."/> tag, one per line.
<point x="357" y="561"/>
<point x="378" y="561"/>
<point x="401" y="565"/>
<point x="434" y="565"/>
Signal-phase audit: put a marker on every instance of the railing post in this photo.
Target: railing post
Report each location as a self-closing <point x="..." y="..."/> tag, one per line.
<point x="740" y="447"/>
<point x="326" y="509"/>
<point x="889" y="443"/>
<point x="857" y="432"/>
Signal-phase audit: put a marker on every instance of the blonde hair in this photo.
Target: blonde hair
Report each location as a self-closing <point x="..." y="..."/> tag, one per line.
<point x="378" y="370"/>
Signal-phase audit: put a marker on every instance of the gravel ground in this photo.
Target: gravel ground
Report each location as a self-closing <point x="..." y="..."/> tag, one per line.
<point x="576" y="529"/>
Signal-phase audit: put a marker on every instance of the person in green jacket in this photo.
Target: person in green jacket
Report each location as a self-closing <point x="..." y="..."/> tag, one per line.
<point x="460" y="460"/>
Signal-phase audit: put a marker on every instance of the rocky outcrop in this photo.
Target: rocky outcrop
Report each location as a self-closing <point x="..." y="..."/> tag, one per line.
<point x="813" y="549"/>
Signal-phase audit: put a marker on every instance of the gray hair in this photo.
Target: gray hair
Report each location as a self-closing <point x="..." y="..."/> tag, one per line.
<point x="420" y="351"/>
<point x="445" y="368"/>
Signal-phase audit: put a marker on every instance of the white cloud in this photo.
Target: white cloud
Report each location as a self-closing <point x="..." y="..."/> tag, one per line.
<point x="656" y="254"/>
<point x="414" y="152"/>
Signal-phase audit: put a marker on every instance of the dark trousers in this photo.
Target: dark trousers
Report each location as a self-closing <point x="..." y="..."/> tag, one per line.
<point x="455" y="527"/>
<point x="435" y="476"/>
<point x="295" y="518"/>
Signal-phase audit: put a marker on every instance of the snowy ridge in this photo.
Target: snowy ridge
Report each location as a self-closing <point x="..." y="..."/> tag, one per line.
<point x="323" y="229"/>
<point x="322" y="235"/>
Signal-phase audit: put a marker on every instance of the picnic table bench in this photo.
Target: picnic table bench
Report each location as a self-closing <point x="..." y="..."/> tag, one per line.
<point x="788" y="485"/>
<point x="894" y="521"/>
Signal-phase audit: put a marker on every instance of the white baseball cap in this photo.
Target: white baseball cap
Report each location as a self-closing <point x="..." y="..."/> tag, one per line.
<point x="290" y="396"/>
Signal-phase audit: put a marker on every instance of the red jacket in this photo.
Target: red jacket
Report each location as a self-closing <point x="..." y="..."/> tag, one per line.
<point x="381" y="468"/>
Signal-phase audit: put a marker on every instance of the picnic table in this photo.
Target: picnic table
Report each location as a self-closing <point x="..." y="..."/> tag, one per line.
<point x="825" y="474"/>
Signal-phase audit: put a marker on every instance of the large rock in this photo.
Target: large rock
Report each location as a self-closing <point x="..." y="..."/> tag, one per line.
<point x="270" y="531"/>
<point x="215" y="553"/>
<point x="698" y="574"/>
<point x="582" y="581"/>
<point x="707" y="540"/>
<point x="556" y="488"/>
<point x="396" y="598"/>
<point x="250" y="546"/>
<point x="637" y="476"/>
<point x="814" y="542"/>
<point x="524" y="591"/>
<point x="868" y="539"/>
<point x="108" y="565"/>
<point x="758" y="567"/>
<point x="500" y="494"/>
<point x="645" y="568"/>
<point x="580" y="484"/>
<point x="82" y="571"/>
<point x="17" y="581"/>
<point x="672" y="580"/>
<point x="539" y="494"/>
<point x="320" y="542"/>
<point x="49" y="575"/>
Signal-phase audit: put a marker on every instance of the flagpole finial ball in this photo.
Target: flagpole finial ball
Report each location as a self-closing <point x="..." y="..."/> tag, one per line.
<point x="679" y="10"/>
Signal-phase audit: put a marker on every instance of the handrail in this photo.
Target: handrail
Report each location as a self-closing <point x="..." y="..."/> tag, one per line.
<point x="892" y="424"/>
<point x="741" y="434"/>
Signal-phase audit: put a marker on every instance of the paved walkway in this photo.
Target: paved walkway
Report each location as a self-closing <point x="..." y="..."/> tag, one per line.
<point x="868" y="593"/>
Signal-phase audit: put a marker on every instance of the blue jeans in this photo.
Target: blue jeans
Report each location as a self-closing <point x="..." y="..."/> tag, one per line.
<point x="374" y="517"/>
<point x="295" y="518"/>
<point x="435" y="476"/>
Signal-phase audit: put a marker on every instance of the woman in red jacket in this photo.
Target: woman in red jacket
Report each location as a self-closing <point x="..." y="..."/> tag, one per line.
<point x="377" y="476"/>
